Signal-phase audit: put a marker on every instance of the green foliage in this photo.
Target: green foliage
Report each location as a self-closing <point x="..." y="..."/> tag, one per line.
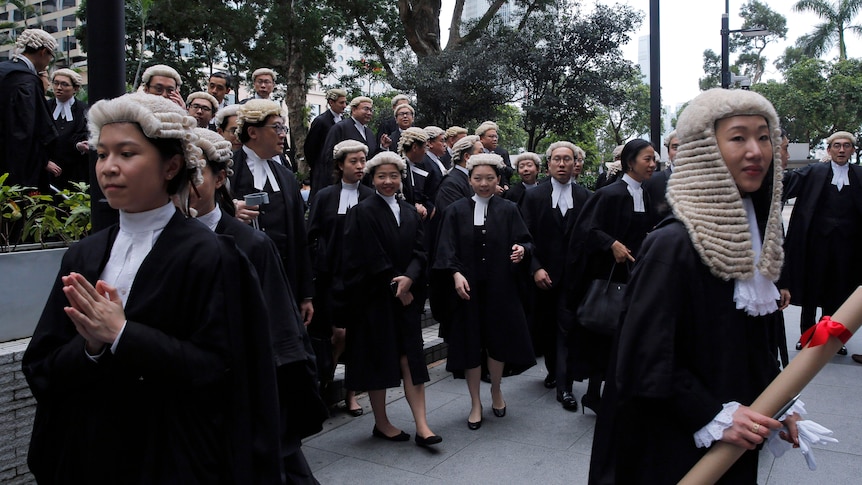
<point x="837" y="19"/>
<point x="625" y="115"/>
<point x="30" y="216"/>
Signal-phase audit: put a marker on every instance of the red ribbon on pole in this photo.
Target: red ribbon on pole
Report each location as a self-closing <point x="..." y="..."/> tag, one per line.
<point x="826" y="327"/>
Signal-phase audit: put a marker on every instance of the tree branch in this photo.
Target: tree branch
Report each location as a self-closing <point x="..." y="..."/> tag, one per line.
<point x="378" y="49"/>
<point x="480" y="27"/>
<point x="455" y="26"/>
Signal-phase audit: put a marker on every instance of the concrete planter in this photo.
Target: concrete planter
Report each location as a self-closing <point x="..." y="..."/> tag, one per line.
<point x="26" y="278"/>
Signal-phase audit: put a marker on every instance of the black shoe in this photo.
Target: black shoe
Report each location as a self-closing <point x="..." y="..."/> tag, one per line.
<point x="857" y="358"/>
<point x="428" y="441"/>
<point x="486" y="378"/>
<point x="474" y="426"/>
<point x="399" y="437"/>
<point x="569" y="402"/>
<point x="590" y="402"/>
<point x="499" y="412"/>
<point x="798" y="345"/>
<point x="354" y="412"/>
<point x="550" y="382"/>
<point x="842" y="350"/>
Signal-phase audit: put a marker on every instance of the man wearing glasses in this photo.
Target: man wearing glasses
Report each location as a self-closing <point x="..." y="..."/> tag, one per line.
<point x="26" y="125"/>
<point x="165" y="81"/>
<point x="263" y="83"/>
<point x="820" y="264"/>
<point x="202" y="107"/>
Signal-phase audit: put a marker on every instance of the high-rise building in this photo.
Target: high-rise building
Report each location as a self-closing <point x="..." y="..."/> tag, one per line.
<point x="56" y="17"/>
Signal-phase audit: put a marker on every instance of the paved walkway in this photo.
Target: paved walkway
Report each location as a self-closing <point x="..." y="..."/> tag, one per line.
<point x="539" y="442"/>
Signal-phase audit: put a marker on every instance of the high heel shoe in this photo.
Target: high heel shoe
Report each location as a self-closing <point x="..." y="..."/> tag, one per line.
<point x="591" y="402"/>
<point x="475" y="425"/>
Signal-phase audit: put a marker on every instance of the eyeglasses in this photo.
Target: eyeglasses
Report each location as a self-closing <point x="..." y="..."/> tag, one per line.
<point x="279" y="128"/>
<point x="838" y="146"/>
<point x="61" y="84"/>
<point x="404" y="114"/>
<point x="159" y="89"/>
<point x="263" y="81"/>
<point x="200" y="107"/>
<point x="231" y="130"/>
<point x="562" y="159"/>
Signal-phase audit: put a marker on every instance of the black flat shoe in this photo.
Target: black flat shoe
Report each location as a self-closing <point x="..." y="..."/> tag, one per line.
<point x="798" y="345"/>
<point x="550" y="382"/>
<point x="428" y="441"/>
<point x="354" y="412"/>
<point x="399" y="437"/>
<point x="474" y="426"/>
<point x="486" y="378"/>
<point x="842" y="350"/>
<point x="591" y="403"/>
<point x="569" y="402"/>
<point x="499" y="412"/>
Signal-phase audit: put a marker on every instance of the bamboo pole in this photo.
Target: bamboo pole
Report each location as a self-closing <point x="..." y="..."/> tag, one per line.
<point x="788" y="384"/>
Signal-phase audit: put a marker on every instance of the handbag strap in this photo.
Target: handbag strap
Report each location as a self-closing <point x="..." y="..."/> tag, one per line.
<point x="611" y="274"/>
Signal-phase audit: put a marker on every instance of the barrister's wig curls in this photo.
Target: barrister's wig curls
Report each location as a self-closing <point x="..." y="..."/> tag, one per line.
<point x="216" y="150"/>
<point x="159" y="119"/>
<point x="161" y="70"/>
<point x="384" y="158"/>
<point x="347" y="147"/>
<point x="463" y="146"/>
<point x="434" y="131"/>
<point x="398" y="98"/>
<point x="73" y="76"/>
<point x="263" y="71"/>
<point x="485" y="126"/>
<point x="492" y="159"/>
<point x="454" y="131"/>
<point x="35" y="39"/>
<point x="841" y="135"/>
<point x="226" y="112"/>
<point x="335" y="93"/>
<point x="410" y="137"/>
<point x="669" y="138"/>
<point x="705" y="197"/>
<point x="563" y="144"/>
<point x="205" y="96"/>
<point x="360" y="99"/>
<point x="403" y="107"/>
<point x="254" y="112"/>
<point x="537" y="160"/>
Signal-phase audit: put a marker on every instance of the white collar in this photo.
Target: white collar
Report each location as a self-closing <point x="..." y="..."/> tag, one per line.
<point x="64" y="107"/>
<point x="393" y="206"/>
<point x="463" y="169"/>
<point x="757" y="295"/>
<point x="27" y="61"/>
<point x="840" y="175"/>
<point x="211" y="218"/>
<point x="480" y="211"/>
<point x="147" y="221"/>
<point x="631" y="182"/>
<point x="636" y="191"/>
<point x="260" y="170"/>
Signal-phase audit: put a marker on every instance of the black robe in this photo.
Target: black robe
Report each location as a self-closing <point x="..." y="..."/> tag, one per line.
<point x="683" y="349"/>
<point x="379" y="328"/>
<point x="321" y="171"/>
<point x="496" y="324"/>
<point x="75" y="164"/>
<point x="656" y="187"/>
<point x="26" y="128"/>
<point x="455" y="186"/>
<point x="189" y="395"/>
<point x="344" y="130"/>
<point x="292" y="246"/>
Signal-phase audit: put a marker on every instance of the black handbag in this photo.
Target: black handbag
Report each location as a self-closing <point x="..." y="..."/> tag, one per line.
<point x="600" y="309"/>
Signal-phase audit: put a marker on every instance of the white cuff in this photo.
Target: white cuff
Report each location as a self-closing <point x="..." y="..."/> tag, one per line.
<point x="117" y="340"/>
<point x="714" y="430"/>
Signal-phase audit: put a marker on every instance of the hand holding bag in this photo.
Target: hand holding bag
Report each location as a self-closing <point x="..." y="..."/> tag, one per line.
<point x="600" y="309"/>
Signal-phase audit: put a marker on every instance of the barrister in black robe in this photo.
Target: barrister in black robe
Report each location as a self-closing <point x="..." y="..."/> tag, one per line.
<point x="302" y="411"/>
<point x="326" y="239"/>
<point x="381" y="268"/>
<point x="353" y="127"/>
<point x="821" y="268"/>
<point x="551" y="230"/>
<point x="71" y="126"/>
<point x="656" y="186"/>
<point x="528" y="165"/>
<point x="482" y="244"/>
<point x="606" y="240"/>
<point x="26" y="127"/>
<point x="690" y="347"/>
<point x="321" y="173"/>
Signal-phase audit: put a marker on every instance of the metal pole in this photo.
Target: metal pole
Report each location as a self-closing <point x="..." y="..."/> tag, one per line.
<point x="106" y="61"/>
<point x="655" y="75"/>
<point x="725" y="63"/>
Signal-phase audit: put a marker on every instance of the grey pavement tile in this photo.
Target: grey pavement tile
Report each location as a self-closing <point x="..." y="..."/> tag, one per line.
<point x="823" y="399"/>
<point x="832" y="467"/>
<point x="358" y="472"/>
<point x="318" y="459"/>
<point x="494" y="461"/>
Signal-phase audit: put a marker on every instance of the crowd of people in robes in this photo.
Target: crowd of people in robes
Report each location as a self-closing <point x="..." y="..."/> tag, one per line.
<point x="205" y="361"/>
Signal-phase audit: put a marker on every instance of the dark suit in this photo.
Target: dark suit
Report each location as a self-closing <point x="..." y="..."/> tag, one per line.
<point x="656" y="187"/>
<point x="321" y="174"/>
<point x="820" y="266"/>
<point x="446" y="159"/>
<point x="343" y="130"/>
<point x="455" y="186"/>
<point x="386" y="126"/>
<point x="507" y="171"/>
<point x="75" y="165"/>
<point x="551" y="321"/>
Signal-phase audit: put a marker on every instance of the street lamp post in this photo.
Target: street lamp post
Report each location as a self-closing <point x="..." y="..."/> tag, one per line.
<point x="725" y="50"/>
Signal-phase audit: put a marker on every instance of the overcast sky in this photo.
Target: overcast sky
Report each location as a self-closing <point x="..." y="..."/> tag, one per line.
<point x="688" y="27"/>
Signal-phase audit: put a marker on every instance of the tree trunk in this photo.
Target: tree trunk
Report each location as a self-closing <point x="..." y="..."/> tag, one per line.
<point x="294" y="98"/>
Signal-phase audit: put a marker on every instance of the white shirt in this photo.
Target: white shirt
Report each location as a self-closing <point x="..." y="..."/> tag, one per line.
<point x="359" y="126"/>
<point x="393" y="206"/>
<point x="561" y="196"/>
<point x="349" y="196"/>
<point x="211" y="218"/>
<point x="636" y="191"/>
<point x="64" y="108"/>
<point x="480" y="211"/>
<point x="438" y="162"/>
<point x="840" y="175"/>
<point x="260" y="170"/>
<point x="463" y="169"/>
<point x="337" y="117"/>
<point x="27" y="61"/>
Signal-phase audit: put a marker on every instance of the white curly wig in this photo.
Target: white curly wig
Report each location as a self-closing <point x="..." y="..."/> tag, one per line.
<point x="434" y="131"/>
<point x="215" y="148"/>
<point x="226" y="112"/>
<point x="203" y="95"/>
<point x="384" y="158"/>
<point x="346" y="147"/>
<point x="704" y="196"/>
<point x="335" y="93"/>
<point x="563" y="144"/>
<point x="485" y="126"/>
<point x="255" y="111"/>
<point x="263" y="71"/>
<point x="491" y="159"/>
<point x="73" y="76"/>
<point x="161" y="70"/>
<point x="462" y="146"/>
<point x="411" y="136"/>
<point x="537" y="160"/>
<point x="35" y="39"/>
<point x="158" y="118"/>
